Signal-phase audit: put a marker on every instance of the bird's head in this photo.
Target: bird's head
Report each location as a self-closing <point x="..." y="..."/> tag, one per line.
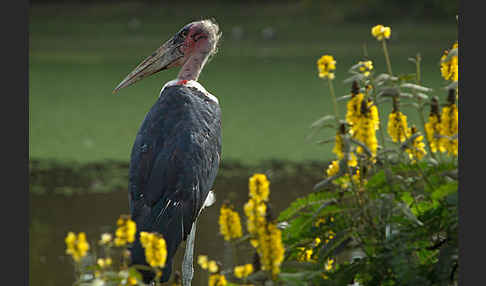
<point x="200" y="37"/>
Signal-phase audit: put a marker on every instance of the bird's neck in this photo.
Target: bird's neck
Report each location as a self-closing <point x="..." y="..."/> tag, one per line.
<point x="193" y="66"/>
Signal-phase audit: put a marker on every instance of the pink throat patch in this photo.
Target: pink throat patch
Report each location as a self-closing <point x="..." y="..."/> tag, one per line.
<point x="182" y="82"/>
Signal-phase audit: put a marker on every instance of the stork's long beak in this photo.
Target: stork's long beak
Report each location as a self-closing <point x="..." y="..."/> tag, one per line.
<point x="164" y="57"/>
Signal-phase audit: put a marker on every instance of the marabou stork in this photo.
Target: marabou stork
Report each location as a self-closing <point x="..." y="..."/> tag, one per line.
<point x="177" y="150"/>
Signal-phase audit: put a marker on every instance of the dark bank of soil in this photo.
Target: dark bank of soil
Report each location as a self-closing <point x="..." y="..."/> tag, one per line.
<point x="53" y="177"/>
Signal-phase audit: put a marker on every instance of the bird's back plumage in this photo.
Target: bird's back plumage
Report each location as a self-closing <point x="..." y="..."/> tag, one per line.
<point x="174" y="162"/>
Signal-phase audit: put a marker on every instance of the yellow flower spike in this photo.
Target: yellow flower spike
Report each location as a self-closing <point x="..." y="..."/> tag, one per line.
<point x="305" y="255"/>
<point x="131" y="281"/>
<point x="76" y="246"/>
<point x="338" y="147"/>
<point x="325" y="65"/>
<point x="270" y="248"/>
<point x="320" y="221"/>
<point x="105" y="238"/>
<point x="255" y="212"/>
<point x="259" y="187"/>
<point x="155" y="249"/>
<point x="212" y="266"/>
<point x="333" y="168"/>
<point x="329" y="264"/>
<point x="353" y="113"/>
<point x="125" y="233"/>
<point x="217" y="280"/>
<point x="364" y="129"/>
<point x="229" y="223"/>
<point x="352" y="160"/>
<point x="202" y="260"/>
<point x="450" y="125"/>
<point x="433" y="127"/>
<point x="398" y="127"/>
<point x="381" y="32"/>
<point x="450" y="69"/>
<point x="366" y="67"/>
<point x="417" y="150"/>
<point x="243" y="271"/>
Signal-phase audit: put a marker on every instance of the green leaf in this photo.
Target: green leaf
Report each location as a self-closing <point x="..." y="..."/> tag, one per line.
<point x="452" y="199"/>
<point x="310" y="200"/>
<point x="452" y="85"/>
<point x="444" y="190"/>
<point x="407" y="77"/>
<point x="357" y="77"/>
<point x="447" y="258"/>
<point x="335" y="245"/>
<point x="298" y="279"/>
<point x="319" y="122"/>
<point x="416" y="87"/>
<point x="407" y="198"/>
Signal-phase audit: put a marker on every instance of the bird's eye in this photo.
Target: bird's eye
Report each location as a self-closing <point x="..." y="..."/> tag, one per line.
<point x="184" y="32"/>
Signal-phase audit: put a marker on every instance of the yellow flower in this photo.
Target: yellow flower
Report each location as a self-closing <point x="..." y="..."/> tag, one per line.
<point x="417" y="150"/>
<point x="270" y="248"/>
<point x="212" y="266"/>
<point x="333" y="168"/>
<point x="352" y="160"/>
<point x="433" y="128"/>
<point x="202" y="260"/>
<point x="155" y="248"/>
<point x="450" y="127"/>
<point x="366" y="67"/>
<point x="76" y="246"/>
<point x="104" y="262"/>
<point x="305" y="255"/>
<point x="243" y="271"/>
<point x="354" y="110"/>
<point x="364" y="130"/>
<point x="338" y="147"/>
<point x="450" y="68"/>
<point x="325" y="65"/>
<point x="329" y="264"/>
<point x="259" y="187"/>
<point x="105" y="238"/>
<point x="125" y="233"/>
<point x="357" y="178"/>
<point x="229" y="223"/>
<point x="381" y="32"/>
<point x="320" y="221"/>
<point x="255" y="212"/>
<point x="217" y="280"/>
<point x="397" y="126"/>
<point x="132" y="280"/>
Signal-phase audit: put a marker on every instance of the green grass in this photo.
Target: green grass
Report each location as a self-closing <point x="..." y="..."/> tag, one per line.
<point x="268" y="89"/>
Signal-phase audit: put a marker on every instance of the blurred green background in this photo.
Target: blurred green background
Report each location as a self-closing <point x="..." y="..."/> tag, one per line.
<point x="264" y="75"/>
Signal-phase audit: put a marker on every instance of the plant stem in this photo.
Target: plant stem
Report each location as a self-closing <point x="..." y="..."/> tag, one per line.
<point x="334" y="101"/>
<point x="420" y="109"/>
<point x="387" y="57"/>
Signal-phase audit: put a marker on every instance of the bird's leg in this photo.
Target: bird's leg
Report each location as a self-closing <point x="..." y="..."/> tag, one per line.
<point x="187" y="268"/>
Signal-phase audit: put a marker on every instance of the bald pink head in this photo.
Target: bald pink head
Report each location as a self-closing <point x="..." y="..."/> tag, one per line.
<point x="200" y="42"/>
<point x="189" y="48"/>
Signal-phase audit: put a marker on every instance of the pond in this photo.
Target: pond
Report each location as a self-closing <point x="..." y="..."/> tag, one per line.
<point x="53" y="215"/>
